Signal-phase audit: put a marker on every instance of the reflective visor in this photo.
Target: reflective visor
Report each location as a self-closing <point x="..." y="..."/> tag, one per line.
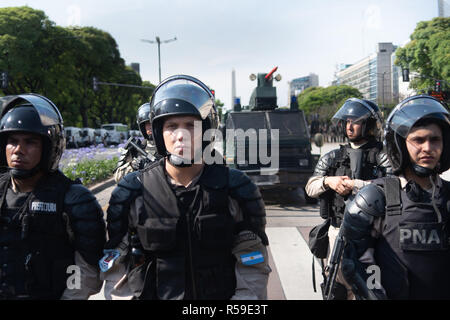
<point x="356" y="111"/>
<point x="143" y="113"/>
<point x="186" y="90"/>
<point x="404" y="116"/>
<point x="49" y="114"/>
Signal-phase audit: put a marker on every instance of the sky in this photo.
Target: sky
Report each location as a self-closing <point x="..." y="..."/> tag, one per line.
<point x="248" y="36"/>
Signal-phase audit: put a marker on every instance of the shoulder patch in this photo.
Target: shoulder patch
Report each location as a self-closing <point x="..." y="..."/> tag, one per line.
<point x="252" y="258"/>
<point x="372" y="200"/>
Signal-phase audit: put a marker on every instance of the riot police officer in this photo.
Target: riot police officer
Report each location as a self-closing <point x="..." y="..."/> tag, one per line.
<point x="341" y="172"/>
<point x="182" y="228"/>
<point x="131" y="159"/>
<point x="399" y="225"/>
<point x="51" y="228"/>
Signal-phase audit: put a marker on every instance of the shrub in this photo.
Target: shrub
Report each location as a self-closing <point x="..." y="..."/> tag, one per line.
<point x="91" y="171"/>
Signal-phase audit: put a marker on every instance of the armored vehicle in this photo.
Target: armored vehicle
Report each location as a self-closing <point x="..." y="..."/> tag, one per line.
<point x="270" y="144"/>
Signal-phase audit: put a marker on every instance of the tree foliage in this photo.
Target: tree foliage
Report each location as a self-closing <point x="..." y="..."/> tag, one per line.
<point x="60" y="63"/>
<point x="325" y="101"/>
<point x="428" y="53"/>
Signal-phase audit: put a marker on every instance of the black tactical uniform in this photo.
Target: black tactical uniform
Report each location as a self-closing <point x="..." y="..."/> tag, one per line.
<point x="57" y="225"/>
<point x="371" y="163"/>
<point x="203" y="241"/>
<point x="337" y="163"/>
<point x="411" y="247"/>
<point x="366" y="162"/>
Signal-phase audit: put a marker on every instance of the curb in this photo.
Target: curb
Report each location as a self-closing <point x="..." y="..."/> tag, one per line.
<point x="102" y="186"/>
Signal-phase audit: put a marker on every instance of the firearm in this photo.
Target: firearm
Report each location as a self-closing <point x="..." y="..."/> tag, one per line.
<point x="131" y="142"/>
<point x="333" y="265"/>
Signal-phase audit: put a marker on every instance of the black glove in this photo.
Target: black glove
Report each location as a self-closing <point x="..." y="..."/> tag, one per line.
<point x="137" y="163"/>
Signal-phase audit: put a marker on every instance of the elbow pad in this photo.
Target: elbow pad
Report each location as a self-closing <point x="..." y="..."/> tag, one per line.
<point x="86" y="221"/>
<point x="384" y="164"/>
<point x="250" y="202"/>
<point x="368" y="204"/>
<point x="324" y="164"/>
<point x="126" y="191"/>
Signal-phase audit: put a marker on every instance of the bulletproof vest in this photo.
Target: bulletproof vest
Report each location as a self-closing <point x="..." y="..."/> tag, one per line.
<point x="413" y="252"/>
<point x="34" y="247"/>
<point x="187" y="234"/>
<point x="341" y="166"/>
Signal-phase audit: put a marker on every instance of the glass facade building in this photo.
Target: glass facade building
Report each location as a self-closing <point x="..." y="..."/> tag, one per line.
<point x="296" y="86"/>
<point x="374" y="76"/>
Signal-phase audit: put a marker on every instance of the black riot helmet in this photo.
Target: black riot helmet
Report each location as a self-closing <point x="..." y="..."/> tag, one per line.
<point x="32" y="113"/>
<point x="143" y="115"/>
<point x="409" y="113"/>
<point x="360" y="110"/>
<point x="181" y="95"/>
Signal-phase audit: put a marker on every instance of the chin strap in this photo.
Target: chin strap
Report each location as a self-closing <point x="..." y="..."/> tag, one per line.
<point x="22" y="173"/>
<point x="180" y="162"/>
<point x="422" y="171"/>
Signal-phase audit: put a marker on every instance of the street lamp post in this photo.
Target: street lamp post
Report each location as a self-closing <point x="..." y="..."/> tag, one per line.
<point x="382" y="85"/>
<point x="383" y="88"/>
<point x="158" y="41"/>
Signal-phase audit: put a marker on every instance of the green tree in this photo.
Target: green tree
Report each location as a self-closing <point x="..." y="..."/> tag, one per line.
<point x="30" y="48"/>
<point x="94" y="54"/>
<point x="428" y="53"/>
<point x="60" y="63"/>
<point x="325" y="101"/>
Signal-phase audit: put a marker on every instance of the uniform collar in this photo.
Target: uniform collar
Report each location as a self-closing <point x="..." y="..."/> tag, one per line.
<point x="404" y="181"/>
<point x="193" y="181"/>
<point x="14" y="186"/>
<point x="357" y="145"/>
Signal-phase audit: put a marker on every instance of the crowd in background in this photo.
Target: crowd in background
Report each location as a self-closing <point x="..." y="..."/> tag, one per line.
<point x="330" y="131"/>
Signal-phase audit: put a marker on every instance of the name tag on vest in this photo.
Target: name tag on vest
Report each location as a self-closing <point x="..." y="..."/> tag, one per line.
<point x="423" y="236"/>
<point x="43" y="207"/>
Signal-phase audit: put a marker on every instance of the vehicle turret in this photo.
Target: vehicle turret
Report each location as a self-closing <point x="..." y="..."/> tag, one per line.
<point x="264" y="96"/>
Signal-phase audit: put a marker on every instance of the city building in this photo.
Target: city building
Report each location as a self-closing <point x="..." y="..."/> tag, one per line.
<point x="136" y="67"/>
<point x="443" y="8"/>
<point x="296" y="86"/>
<point x="375" y="76"/>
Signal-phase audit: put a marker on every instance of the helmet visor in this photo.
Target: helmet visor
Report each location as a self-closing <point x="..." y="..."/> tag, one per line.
<point x="355" y="110"/>
<point x="48" y="114"/>
<point x="404" y="116"/>
<point x="187" y="90"/>
<point x="143" y="113"/>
